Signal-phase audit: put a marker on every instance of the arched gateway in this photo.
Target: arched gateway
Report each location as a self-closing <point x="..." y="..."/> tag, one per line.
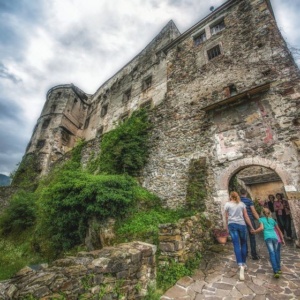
<point x="223" y="177"/>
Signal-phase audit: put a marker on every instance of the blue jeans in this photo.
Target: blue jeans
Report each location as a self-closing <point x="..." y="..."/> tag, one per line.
<point x="252" y="239"/>
<point x="274" y="253"/>
<point x="238" y="235"/>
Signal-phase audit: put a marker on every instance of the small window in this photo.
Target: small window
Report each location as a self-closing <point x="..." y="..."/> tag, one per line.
<point x="232" y="90"/>
<point x="65" y="137"/>
<point x="46" y="123"/>
<point x="147" y="83"/>
<point x="40" y="144"/>
<point x="104" y="110"/>
<point x="100" y="131"/>
<point x="217" y="27"/>
<point x="199" y="39"/>
<point x="87" y="122"/>
<point x="127" y="95"/>
<point x="214" y="52"/>
<point x="53" y="108"/>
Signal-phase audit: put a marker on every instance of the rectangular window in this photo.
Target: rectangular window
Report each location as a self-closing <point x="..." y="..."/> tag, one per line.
<point x="127" y="95"/>
<point x="217" y="27"/>
<point x="147" y="83"/>
<point x="213" y="52"/>
<point x="199" y="39"/>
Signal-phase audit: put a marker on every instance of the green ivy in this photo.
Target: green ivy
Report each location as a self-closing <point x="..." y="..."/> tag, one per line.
<point x="125" y="149"/>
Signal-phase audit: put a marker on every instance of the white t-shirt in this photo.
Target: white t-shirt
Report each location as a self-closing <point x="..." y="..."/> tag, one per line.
<point x="235" y="212"/>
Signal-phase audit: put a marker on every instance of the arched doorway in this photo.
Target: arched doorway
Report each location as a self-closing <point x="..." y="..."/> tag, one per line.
<point x="288" y="185"/>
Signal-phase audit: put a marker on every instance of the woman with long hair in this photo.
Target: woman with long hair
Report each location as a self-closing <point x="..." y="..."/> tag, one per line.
<point x="236" y="218"/>
<point x="273" y="237"/>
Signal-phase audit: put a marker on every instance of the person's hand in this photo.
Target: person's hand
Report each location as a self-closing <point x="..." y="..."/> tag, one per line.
<point x="283" y="242"/>
<point x="252" y="231"/>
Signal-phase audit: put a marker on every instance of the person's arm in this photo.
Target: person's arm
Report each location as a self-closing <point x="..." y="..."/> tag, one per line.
<point x="247" y="219"/>
<point x="280" y="233"/>
<point x="226" y="220"/>
<point x="259" y="229"/>
<point x="254" y="212"/>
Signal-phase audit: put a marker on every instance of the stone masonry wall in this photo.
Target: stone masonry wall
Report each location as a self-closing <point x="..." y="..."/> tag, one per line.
<point x="182" y="240"/>
<point x="5" y="193"/>
<point x="121" y="272"/>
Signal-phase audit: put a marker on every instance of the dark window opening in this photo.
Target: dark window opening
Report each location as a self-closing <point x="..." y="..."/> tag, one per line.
<point x="46" y="123"/>
<point x="214" y="52"/>
<point x="40" y="144"/>
<point x="146" y="105"/>
<point x="58" y="95"/>
<point x="104" y="110"/>
<point x="87" y="122"/>
<point x="199" y="39"/>
<point x="217" y="27"/>
<point x="53" y="108"/>
<point x="147" y="83"/>
<point x="100" y="131"/>
<point x="65" y="137"/>
<point x="232" y="90"/>
<point x="127" y="95"/>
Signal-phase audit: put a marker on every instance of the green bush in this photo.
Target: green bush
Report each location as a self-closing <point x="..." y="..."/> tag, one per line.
<point x="143" y="225"/>
<point x="20" y="213"/>
<point x="66" y="204"/>
<point x="126" y="148"/>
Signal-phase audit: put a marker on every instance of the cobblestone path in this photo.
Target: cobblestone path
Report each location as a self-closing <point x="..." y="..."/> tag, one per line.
<point x="217" y="277"/>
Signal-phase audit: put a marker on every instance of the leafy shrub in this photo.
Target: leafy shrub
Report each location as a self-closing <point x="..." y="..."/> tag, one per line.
<point x="73" y="197"/>
<point x="20" y="213"/>
<point x="143" y="225"/>
<point x="126" y="148"/>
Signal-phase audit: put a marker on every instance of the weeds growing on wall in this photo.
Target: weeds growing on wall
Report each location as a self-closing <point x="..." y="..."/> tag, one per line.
<point x="125" y="149"/>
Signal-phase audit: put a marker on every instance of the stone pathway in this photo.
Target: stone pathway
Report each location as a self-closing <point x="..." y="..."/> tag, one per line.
<point x="217" y="277"/>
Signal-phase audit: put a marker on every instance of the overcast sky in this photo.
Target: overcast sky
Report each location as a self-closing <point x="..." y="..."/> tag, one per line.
<point x="44" y="43"/>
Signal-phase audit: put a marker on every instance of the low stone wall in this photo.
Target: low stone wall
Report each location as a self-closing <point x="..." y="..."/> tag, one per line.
<point x="121" y="272"/>
<point x="183" y="239"/>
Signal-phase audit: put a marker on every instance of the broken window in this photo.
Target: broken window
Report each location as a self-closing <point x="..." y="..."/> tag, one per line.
<point x="104" y="110"/>
<point x="147" y="82"/>
<point x="40" y="144"/>
<point x="213" y="52"/>
<point x="127" y="95"/>
<point x="217" y="27"/>
<point x="199" y="39"/>
<point x="46" y="123"/>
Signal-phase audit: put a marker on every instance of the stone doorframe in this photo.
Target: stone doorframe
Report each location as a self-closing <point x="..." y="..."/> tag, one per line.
<point x="223" y="177"/>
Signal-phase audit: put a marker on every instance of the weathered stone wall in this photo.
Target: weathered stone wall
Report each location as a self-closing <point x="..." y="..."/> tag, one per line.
<point x="182" y="240"/>
<point x="202" y="118"/>
<point x="123" y="271"/>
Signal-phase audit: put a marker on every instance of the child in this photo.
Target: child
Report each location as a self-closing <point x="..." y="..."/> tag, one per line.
<point x="268" y="225"/>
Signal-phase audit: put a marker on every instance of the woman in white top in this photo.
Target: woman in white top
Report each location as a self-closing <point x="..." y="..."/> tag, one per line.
<point x="235" y="216"/>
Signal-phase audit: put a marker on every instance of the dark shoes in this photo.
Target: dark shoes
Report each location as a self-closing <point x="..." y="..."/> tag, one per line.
<point x="256" y="257"/>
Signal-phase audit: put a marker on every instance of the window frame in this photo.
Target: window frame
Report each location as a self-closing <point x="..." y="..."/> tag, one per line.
<point x="214" y="28"/>
<point x="214" y="52"/>
<point x="198" y="40"/>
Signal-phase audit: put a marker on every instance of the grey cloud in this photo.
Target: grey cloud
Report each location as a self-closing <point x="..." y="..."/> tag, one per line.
<point x="7" y="75"/>
<point x="9" y="110"/>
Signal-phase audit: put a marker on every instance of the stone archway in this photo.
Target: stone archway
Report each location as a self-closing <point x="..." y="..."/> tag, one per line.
<point x="290" y="185"/>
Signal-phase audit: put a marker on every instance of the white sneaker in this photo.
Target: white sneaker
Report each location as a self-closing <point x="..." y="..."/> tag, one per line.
<point x="245" y="267"/>
<point x="242" y="275"/>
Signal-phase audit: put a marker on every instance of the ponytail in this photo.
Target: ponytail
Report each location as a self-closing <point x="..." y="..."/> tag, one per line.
<point x="235" y="197"/>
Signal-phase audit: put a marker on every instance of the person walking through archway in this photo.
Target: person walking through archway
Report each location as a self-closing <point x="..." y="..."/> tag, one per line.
<point x="235" y="217"/>
<point x="252" y="213"/>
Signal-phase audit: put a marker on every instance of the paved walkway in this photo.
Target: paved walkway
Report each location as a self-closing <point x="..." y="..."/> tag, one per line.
<point x="217" y="277"/>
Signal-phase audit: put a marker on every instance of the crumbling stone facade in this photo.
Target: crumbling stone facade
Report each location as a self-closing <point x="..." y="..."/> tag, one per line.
<point x="225" y="92"/>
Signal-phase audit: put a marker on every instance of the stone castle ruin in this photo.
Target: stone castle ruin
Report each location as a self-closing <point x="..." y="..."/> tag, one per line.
<point x="222" y="96"/>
